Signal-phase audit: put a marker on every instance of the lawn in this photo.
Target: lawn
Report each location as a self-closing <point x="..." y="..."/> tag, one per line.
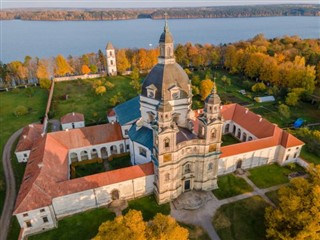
<point x="273" y="196"/>
<point x="271" y="175"/>
<point x="229" y="139"/>
<point x="148" y="206"/>
<point x="119" y="162"/>
<point x="89" y="169"/>
<point x="81" y="226"/>
<point x="82" y="98"/>
<point x="308" y="156"/>
<point x="9" y="123"/>
<point x="230" y="185"/>
<point x="243" y="219"/>
<point x="195" y="232"/>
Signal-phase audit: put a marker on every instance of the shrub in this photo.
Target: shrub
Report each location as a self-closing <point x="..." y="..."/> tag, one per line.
<point x="109" y="85"/>
<point x="20" y="111"/>
<point x="45" y="83"/>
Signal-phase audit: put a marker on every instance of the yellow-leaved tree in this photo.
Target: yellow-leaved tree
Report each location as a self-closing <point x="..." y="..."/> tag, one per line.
<point x="62" y="67"/>
<point x="131" y="226"/>
<point x="85" y="69"/>
<point x="205" y="88"/>
<point x="122" y="61"/>
<point x="297" y="217"/>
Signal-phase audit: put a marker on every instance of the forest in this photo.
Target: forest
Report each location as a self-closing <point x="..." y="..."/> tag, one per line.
<point x="177" y="13"/>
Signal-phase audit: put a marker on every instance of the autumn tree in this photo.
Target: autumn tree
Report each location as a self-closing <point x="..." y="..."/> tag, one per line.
<point x="45" y="83"/>
<point x="298" y="213"/>
<point x="85" y="69"/>
<point x="142" y="59"/>
<point x="131" y="226"/>
<point x="42" y="69"/>
<point x="226" y="81"/>
<point x="93" y="68"/>
<point x="284" y="111"/>
<point x="205" y="88"/>
<point x="135" y="82"/>
<point x="17" y="71"/>
<point x="165" y="227"/>
<point x="259" y="87"/>
<point x="100" y="90"/>
<point x="62" y="67"/>
<point x="116" y="99"/>
<point x="122" y="61"/>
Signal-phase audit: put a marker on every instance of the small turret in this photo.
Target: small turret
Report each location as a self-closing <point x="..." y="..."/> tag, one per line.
<point x="212" y="106"/>
<point x="111" y="60"/>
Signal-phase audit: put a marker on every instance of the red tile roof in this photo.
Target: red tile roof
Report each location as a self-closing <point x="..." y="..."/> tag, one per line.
<point x="72" y="117"/>
<point x="29" y="135"/>
<point x="87" y="136"/>
<point x="46" y="174"/>
<point x="268" y="134"/>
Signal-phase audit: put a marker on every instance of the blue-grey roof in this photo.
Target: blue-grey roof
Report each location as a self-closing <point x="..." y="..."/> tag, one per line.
<point x="128" y="111"/>
<point x="143" y="136"/>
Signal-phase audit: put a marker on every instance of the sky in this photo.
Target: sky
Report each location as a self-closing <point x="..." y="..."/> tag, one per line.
<point x="137" y="3"/>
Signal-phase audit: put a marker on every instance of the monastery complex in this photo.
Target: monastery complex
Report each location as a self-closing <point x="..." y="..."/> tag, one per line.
<point x="173" y="149"/>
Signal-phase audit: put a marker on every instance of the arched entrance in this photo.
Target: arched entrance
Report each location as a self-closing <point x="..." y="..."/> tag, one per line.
<point x="115" y="194"/>
<point x="104" y="153"/>
<point x="239" y="163"/>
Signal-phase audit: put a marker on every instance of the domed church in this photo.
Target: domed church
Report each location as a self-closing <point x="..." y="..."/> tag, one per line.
<point x="173" y="149"/>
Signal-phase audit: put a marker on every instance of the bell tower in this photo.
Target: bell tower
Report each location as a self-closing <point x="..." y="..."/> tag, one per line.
<point x="111" y="60"/>
<point x="166" y="45"/>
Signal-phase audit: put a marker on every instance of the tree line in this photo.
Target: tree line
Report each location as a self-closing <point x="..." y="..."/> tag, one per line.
<point x="289" y="63"/>
<point x="125" y="14"/>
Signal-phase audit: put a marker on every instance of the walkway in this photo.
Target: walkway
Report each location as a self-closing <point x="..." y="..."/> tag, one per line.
<point x="10" y="184"/>
<point x="204" y="215"/>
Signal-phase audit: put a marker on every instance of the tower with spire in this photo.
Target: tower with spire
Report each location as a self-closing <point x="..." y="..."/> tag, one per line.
<point x="111" y="60"/>
<point x="185" y="149"/>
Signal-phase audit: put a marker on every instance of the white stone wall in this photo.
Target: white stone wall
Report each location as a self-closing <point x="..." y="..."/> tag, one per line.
<point x="111" y="62"/>
<point x="69" y="125"/>
<point x="249" y="160"/>
<point x="23" y="156"/>
<point x="136" y="157"/>
<point x="36" y="219"/>
<point x="112" y="119"/>
<point x="81" y="201"/>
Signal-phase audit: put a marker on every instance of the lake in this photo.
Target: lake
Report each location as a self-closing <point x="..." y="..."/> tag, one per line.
<point x="45" y="38"/>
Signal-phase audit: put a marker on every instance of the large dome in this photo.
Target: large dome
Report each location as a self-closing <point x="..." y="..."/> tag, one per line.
<point x="165" y="77"/>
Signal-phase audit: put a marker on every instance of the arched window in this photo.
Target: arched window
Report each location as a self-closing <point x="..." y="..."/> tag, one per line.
<point x="167" y="143"/>
<point x="213" y="133"/>
<point x="167" y="177"/>
<point x="210" y="166"/>
<point x="187" y="168"/>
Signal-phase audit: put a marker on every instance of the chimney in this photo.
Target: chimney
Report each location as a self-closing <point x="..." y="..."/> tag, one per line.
<point x="40" y="165"/>
<point x="24" y="136"/>
<point x="247" y="110"/>
<point x="260" y="118"/>
<point x="31" y="125"/>
<point x="67" y="129"/>
<point x="73" y="114"/>
<point x="42" y="134"/>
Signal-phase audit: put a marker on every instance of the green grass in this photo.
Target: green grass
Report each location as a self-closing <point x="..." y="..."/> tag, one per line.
<point x="195" y="232"/>
<point x="9" y="123"/>
<point x="230" y="185"/>
<point x="148" y="206"/>
<point x="228" y="139"/>
<point x="89" y="169"/>
<point x="273" y="196"/>
<point x="14" y="229"/>
<point x="81" y="226"/>
<point x="271" y="175"/>
<point x="120" y="162"/>
<point x="308" y="156"/>
<point x="241" y="220"/>
<point x="82" y="98"/>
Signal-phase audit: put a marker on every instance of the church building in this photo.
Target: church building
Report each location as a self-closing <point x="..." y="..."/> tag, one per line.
<point x="173" y="149"/>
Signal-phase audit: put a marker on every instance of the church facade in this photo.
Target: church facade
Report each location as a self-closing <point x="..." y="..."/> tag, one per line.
<point x="173" y="149"/>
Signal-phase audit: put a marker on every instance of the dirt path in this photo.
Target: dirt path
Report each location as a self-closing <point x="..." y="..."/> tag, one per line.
<point x="10" y="184"/>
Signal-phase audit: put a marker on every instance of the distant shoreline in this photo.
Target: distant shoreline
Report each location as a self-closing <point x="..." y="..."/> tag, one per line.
<point x="155" y="14"/>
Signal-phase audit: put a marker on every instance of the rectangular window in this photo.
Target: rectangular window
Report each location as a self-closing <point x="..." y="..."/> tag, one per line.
<point x="28" y="224"/>
<point x="287" y="157"/>
<point x="128" y="146"/>
<point x="25" y="215"/>
<point x="42" y="210"/>
<point x="142" y="152"/>
<point x="45" y="219"/>
<point x="126" y="132"/>
<point x="25" y="155"/>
